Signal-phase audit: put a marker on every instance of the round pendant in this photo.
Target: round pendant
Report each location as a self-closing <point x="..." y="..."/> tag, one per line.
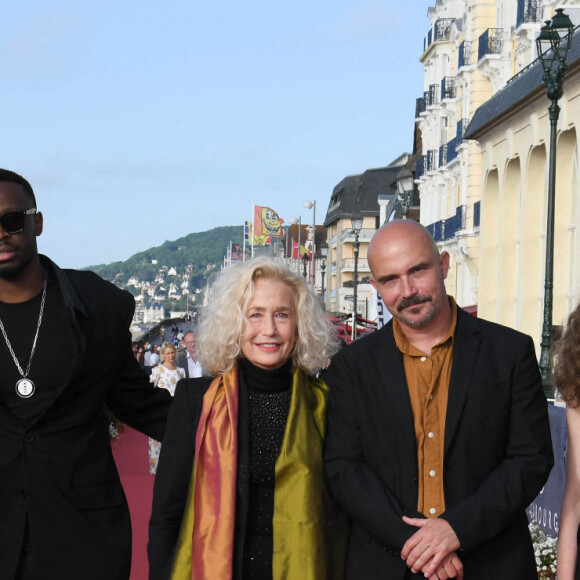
<point x="25" y="388"/>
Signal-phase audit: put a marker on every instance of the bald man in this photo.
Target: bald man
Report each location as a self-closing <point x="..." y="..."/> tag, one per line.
<point x="438" y="435"/>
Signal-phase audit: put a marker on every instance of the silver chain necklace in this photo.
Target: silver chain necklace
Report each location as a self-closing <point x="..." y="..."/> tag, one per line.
<point x="25" y="387"/>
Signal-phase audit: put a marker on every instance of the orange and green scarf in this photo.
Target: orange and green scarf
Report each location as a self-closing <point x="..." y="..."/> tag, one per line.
<point x="310" y="531"/>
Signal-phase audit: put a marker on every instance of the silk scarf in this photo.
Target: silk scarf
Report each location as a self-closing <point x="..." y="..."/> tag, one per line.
<point x="310" y="532"/>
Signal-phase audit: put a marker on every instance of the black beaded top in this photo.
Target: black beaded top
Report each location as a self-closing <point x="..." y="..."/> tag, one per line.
<point x="269" y="395"/>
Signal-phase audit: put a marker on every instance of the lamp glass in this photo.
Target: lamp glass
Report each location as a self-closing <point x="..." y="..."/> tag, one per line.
<point x="544" y="46"/>
<point x="562" y="28"/>
<point x="356" y="224"/>
<point x="405" y="181"/>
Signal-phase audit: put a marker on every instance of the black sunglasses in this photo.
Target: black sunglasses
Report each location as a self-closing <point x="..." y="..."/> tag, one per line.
<point x="13" y="221"/>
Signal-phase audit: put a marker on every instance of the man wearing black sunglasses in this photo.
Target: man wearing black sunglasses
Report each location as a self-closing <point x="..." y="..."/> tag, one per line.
<point x="65" y="356"/>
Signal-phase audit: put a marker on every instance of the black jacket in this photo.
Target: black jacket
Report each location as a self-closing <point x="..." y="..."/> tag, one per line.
<point x="59" y="471"/>
<point x="497" y="450"/>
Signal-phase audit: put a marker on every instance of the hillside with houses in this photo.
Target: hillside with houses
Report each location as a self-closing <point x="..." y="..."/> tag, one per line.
<point x="171" y="278"/>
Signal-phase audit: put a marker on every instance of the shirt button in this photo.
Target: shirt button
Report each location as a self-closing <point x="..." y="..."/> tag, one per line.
<point x="432" y="511"/>
<point x="432" y="473"/>
<point x="430" y="434"/>
<point x="423" y="358"/>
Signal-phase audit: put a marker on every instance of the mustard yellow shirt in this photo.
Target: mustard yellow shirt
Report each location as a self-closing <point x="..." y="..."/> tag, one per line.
<point x="428" y="383"/>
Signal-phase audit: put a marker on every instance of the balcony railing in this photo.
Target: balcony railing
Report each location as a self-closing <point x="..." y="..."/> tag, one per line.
<point x="420" y="166"/>
<point x="463" y="54"/>
<point x="442" y="155"/>
<point x="443" y="28"/>
<point x="347" y="265"/>
<point x="440" y="31"/>
<point x="453" y="224"/>
<point x="447" y="229"/>
<point x="489" y="42"/>
<point x="364" y="235"/>
<point x="528" y="11"/>
<point x="448" y="88"/>
<point x="448" y="152"/>
<point x="432" y="159"/>
<point x="419" y="106"/>
<point x="431" y="97"/>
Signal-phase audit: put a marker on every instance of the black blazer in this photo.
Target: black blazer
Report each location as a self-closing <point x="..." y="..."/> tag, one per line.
<point x="497" y="448"/>
<point x="59" y="471"/>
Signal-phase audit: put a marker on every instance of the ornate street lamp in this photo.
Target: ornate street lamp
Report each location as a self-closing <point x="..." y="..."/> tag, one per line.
<point x="324" y="252"/>
<point x="305" y="262"/>
<point x="356" y="228"/>
<point x="552" y="44"/>
<point x="405" y="188"/>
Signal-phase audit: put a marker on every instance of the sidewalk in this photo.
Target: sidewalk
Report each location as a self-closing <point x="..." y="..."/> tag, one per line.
<point x="130" y="453"/>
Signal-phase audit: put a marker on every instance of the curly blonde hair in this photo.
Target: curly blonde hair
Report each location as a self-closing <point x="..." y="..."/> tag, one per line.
<point x="223" y="320"/>
<point x="566" y="369"/>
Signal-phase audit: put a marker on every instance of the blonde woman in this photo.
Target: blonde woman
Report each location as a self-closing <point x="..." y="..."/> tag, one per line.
<point x="164" y="376"/>
<point x="240" y="491"/>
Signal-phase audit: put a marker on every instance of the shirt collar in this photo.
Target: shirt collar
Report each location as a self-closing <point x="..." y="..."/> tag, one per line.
<point x="407" y="348"/>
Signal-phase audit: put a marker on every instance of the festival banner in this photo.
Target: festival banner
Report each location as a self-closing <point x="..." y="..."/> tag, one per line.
<point x="296" y="255"/>
<point x="267" y="222"/>
<point x="262" y="240"/>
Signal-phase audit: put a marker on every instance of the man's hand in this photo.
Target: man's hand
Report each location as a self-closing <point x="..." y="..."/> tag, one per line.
<point x="428" y="550"/>
<point x="451" y="567"/>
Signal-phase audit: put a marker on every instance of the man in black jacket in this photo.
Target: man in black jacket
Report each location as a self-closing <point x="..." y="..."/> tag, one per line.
<point x="65" y="355"/>
<point x="438" y="435"/>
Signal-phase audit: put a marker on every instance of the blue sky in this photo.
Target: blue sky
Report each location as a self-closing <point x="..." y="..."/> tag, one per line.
<point x="139" y="122"/>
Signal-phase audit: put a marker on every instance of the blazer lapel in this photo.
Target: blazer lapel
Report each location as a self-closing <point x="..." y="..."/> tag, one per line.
<point x="465" y="349"/>
<point x="389" y="363"/>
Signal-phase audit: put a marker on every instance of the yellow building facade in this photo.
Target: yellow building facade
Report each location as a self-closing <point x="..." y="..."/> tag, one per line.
<point x="483" y="175"/>
<point x="514" y="161"/>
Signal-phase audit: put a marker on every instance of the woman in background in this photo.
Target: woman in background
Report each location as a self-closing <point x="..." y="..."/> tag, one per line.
<point x="240" y="491"/>
<point x="567" y="379"/>
<point x="164" y="376"/>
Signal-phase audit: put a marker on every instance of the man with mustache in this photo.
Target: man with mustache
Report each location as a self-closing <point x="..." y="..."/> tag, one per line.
<point x="65" y="356"/>
<point x="438" y="434"/>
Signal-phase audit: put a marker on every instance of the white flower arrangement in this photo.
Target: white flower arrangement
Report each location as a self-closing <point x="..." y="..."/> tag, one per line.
<point x="113" y="431"/>
<point x="545" y="551"/>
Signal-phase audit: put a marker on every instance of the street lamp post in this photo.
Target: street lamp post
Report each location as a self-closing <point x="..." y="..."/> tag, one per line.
<point x="324" y="252"/>
<point x="405" y="188"/>
<point x="312" y="205"/>
<point x="552" y="44"/>
<point x="356" y="228"/>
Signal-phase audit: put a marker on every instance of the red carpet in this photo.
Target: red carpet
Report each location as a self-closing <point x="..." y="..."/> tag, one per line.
<point x="130" y="452"/>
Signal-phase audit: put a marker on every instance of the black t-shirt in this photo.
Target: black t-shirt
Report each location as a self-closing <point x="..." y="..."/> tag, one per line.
<point x="51" y="358"/>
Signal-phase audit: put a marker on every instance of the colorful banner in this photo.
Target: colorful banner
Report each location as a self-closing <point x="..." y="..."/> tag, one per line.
<point x="267" y="222"/>
<point x="262" y="240"/>
<point x="303" y="251"/>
